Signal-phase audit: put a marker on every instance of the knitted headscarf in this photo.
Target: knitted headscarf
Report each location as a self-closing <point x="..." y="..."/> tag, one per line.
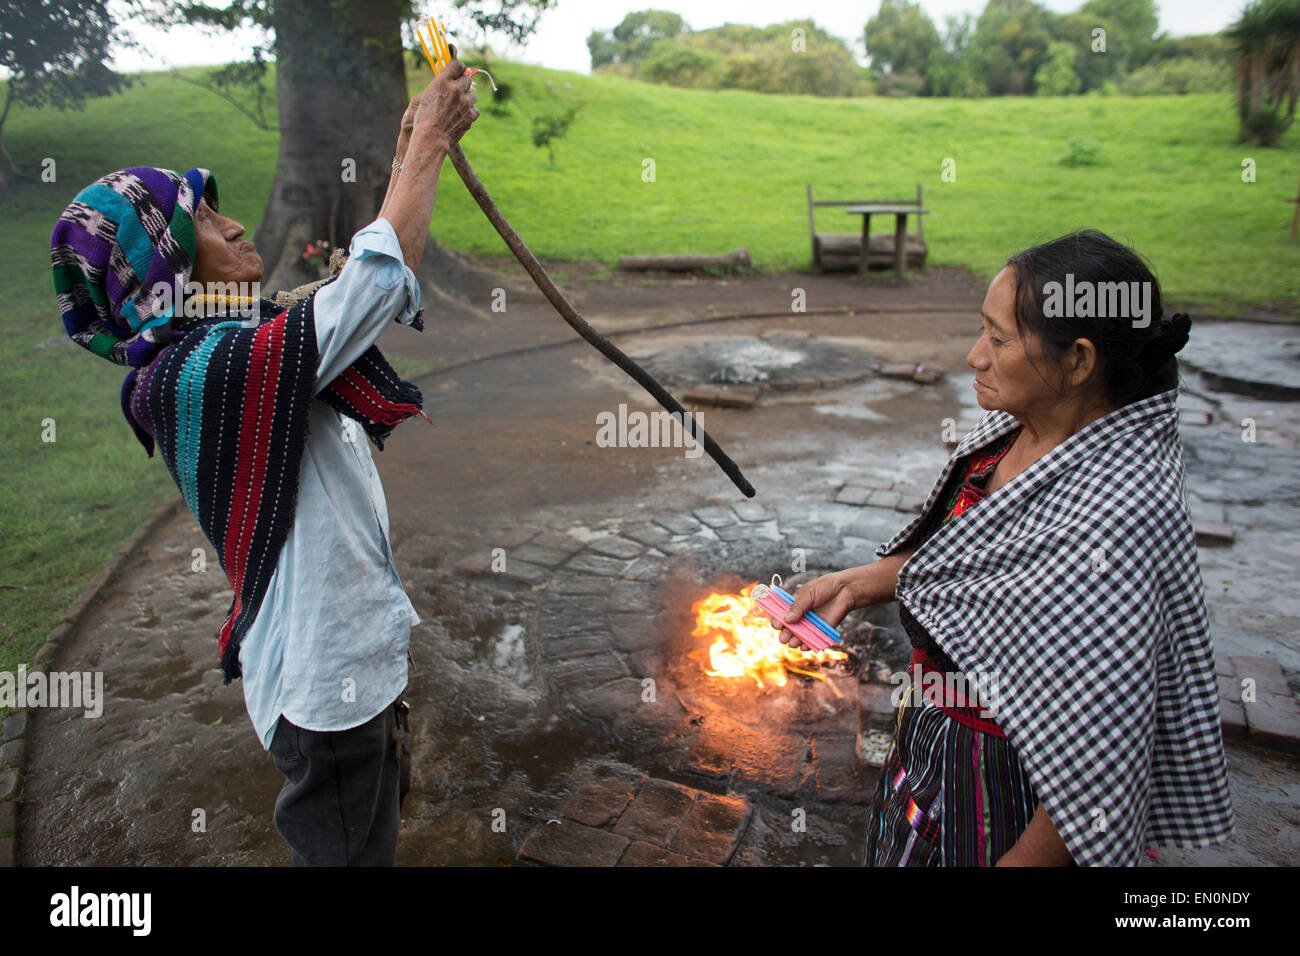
<point x="119" y="242"/>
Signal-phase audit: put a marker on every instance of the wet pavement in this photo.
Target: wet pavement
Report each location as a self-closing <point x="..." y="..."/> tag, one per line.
<point x="533" y="721"/>
<point x="1259" y="360"/>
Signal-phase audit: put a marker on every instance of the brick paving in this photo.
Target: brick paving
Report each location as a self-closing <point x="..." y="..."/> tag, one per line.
<point x="621" y="817"/>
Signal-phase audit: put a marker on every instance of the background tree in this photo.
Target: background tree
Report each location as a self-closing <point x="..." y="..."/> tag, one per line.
<point x="1136" y="20"/>
<point x="955" y="68"/>
<point x="1094" y="68"/>
<point x="792" y="57"/>
<point x="54" y="53"/>
<point x="603" y="49"/>
<point x="1057" y="76"/>
<point x="1011" y="40"/>
<point x="1267" y="40"/>
<point x="901" y="40"/>
<point x="634" y="37"/>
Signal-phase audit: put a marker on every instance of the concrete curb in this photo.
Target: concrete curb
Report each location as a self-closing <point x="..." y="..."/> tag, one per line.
<point x="13" y="733"/>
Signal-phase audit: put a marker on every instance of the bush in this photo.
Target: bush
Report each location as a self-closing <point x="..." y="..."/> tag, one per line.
<point x="1057" y="77"/>
<point x="547" y="128"/>
<point x="680" y="65"/>
<point x="1179" y="75"/>
<point x="1082" y="152"/>
<point x="900" y="83"/>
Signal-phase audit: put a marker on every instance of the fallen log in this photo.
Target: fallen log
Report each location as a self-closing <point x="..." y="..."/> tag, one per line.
<point x="687" y="262"/>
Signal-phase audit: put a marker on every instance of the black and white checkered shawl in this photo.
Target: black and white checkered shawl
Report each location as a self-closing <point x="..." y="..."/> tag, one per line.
<point x="1076" y="587"/>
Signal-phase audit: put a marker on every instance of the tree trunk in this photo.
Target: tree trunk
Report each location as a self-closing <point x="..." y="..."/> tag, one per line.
<point x="341" y="90"/>
<point x="8" y="172"/>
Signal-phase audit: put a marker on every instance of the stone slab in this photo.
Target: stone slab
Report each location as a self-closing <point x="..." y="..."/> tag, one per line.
<point x="572" y="844"/>
<point x="646" y="854"/>
<point x="712" y="828"/>
<point x="603" y="797"/>
<point x="657" y="810"/>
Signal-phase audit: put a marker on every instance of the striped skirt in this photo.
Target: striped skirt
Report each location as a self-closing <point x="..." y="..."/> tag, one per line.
<point x="949" y="794"/>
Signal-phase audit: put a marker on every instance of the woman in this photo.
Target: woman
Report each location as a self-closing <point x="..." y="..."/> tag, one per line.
<point x="1055" y="564"/>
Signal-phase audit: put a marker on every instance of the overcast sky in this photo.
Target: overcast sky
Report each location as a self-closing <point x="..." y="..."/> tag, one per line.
<point x="561" y="38"/>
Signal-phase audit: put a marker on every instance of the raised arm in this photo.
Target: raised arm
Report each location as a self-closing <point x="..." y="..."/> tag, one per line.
<point x="436" y="119"/>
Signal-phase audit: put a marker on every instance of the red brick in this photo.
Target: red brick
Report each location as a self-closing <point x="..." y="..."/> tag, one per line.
<point x="644" y="854"/>
<point x="603" y="797"/>
<point x="713" y="828"/>
<point x="657" y="810"/>
<point x="572" y="844"/>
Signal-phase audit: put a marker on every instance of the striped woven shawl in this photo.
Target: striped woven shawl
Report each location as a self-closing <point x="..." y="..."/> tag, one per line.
<point x="228" y="405"/>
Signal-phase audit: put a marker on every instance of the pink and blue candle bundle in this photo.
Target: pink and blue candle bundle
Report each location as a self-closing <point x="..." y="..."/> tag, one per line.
<point x="813" y="632"/>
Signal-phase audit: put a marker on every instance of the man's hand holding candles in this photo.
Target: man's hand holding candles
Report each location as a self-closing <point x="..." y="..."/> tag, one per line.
<point x="434" y="121"/>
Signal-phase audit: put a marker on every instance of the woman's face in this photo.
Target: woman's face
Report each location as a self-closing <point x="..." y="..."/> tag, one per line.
<point x="1004" y="377"/>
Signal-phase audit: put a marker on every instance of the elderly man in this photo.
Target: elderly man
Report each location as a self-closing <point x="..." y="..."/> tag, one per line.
<point x="259" y="424"/>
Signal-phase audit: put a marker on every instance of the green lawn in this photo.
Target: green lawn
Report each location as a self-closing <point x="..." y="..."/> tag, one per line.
<point x="730" y="170"/>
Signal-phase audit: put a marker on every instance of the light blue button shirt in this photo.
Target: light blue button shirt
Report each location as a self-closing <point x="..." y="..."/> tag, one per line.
<point x="328" y="648"/>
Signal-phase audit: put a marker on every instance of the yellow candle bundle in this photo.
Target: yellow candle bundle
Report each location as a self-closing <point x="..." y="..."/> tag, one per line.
<point x="441" y="54"/>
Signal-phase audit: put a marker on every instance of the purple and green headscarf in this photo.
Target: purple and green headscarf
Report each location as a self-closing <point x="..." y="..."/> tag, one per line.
<point x="119" y="238"/>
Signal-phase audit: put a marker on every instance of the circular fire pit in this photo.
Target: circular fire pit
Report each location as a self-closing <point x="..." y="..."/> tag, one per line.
<point x="781" y="361"/>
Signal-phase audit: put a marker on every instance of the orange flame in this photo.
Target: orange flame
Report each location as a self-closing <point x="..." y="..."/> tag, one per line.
<point x="744" y="643"/>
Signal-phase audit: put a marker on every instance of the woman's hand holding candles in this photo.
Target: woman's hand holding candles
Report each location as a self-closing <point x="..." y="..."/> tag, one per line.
<point x="834" y="595"/>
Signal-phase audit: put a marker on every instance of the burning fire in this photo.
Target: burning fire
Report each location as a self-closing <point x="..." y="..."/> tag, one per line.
<point x="744" y="643"/>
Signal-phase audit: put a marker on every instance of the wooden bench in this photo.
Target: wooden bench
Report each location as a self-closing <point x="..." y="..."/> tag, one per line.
<point x="842" y="251"/>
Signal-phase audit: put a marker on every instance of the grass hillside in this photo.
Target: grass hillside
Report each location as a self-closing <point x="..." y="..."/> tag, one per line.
<point x="730" y="170"/>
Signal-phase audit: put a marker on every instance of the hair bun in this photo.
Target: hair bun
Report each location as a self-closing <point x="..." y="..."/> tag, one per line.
<point x="1168" y="340"/>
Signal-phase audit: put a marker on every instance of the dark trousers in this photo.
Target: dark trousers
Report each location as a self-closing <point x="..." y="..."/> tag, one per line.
<point x="341" y="800"/>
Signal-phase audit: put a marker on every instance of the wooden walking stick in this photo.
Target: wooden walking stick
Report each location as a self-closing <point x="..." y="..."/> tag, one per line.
<point x="583" y="327"/>
<point x="566" y="309"/>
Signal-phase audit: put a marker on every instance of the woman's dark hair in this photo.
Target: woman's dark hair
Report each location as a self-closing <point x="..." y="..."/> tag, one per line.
<point x="1135" y="357"/>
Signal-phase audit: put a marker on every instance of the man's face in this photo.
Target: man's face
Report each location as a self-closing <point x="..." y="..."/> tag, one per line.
<point x="221" y="255"/>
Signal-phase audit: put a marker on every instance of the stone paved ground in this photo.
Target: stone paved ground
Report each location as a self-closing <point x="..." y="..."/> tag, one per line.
<point x="529" y="688"/>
